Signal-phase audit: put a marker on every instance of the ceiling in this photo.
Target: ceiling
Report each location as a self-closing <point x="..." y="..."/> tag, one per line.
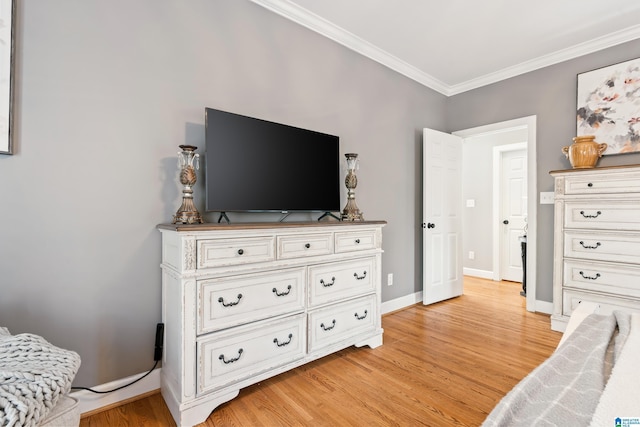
<point x="453" y="46"/>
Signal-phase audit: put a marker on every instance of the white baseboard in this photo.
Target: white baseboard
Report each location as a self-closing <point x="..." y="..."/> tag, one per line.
<point x="400" y="303"/>
<point x="88" y="401"/>
<point x="544" y="307"/>
<point x="483" y="274"/>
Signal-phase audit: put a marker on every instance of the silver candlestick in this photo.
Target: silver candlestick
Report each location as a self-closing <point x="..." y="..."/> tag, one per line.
<point x="351" y="211"/>
<point x="187" y="159"/>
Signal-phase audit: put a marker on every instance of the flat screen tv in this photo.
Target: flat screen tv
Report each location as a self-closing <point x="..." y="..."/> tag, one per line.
<point x="254" y="165"/>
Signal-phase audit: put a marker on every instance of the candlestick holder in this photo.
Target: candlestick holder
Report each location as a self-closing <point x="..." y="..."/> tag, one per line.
<point x="187" y="159"/>
<point x="351" y="211"/>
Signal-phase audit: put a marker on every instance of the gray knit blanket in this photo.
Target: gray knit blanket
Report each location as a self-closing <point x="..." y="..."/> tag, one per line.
<point x="33" y="375"/>
<point x="566" y="389"/>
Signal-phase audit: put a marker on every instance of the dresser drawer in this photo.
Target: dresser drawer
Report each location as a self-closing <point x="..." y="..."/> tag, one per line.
<point x="602" y="184"/>
<point x="602" y="246"/>
<point x="602" y="215"/>
<point x="607" y="304"/>
<point x="339" y="280"/>
<point x="229" y="301"/>
<point x="305" y="245"/>
<point x="602" y="277"/>
<point x="356" y="241"/>
<point x="338" y="322"/>
<point x="231" y="356"/>
<point x="222" y="252"/>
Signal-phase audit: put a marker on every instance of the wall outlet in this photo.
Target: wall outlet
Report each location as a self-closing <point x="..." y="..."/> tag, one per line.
<point x="471" y="203"/>
<point x="472" y="255"/>
<point x="389" y="279"/>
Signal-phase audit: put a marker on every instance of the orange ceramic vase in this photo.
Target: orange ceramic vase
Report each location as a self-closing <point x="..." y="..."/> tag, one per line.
<point x="584" y="152"/>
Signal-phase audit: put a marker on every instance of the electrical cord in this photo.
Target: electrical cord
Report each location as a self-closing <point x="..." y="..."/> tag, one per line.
<point x="119" y="388"/>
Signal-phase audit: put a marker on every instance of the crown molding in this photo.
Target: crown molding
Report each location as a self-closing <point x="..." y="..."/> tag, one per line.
<point x="585" y="48"/>
<point x="320" y="25"/>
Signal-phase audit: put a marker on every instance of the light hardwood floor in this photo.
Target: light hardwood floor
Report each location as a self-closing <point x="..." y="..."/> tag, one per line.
<point x="447" y="364"/>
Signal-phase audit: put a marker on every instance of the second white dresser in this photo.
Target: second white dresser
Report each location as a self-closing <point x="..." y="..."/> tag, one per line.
<point x="596" y="240"/>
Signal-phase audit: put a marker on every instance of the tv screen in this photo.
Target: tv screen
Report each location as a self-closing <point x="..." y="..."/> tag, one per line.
<point x="254" y="165"/>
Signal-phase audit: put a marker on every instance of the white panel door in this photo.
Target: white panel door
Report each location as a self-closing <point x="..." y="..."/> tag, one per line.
<point x="442" y="216"/>
<point x="514" y="213"/>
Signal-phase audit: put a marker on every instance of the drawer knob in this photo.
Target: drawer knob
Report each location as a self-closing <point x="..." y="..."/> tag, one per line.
<point x="360" y="277"/>
<point x="328" y="328"/>
<point x="360" y="317"/>
<point x="240" y="251"/>
<point x="588" y="246"/>
<point x="234" y="359"/>
<point x="308" y="245"/>
<point x="598" y="213"/>
<point x="326" y="285"/>
<point x="281" y="294"/>
<point x="589" y="277"/>
<point x="230" y="304"/>
<point x="590" y="184"/>
<point x="357" y="241"/>
<point x="282" y="344"/>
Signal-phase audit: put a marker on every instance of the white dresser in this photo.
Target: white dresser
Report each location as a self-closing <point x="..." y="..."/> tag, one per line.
<point x="244" y="302"/>
<point x="596" y="240"/>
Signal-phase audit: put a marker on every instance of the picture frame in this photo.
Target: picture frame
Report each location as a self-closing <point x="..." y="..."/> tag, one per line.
<point x="7" y="35"/>
<point x="608" y="106"/>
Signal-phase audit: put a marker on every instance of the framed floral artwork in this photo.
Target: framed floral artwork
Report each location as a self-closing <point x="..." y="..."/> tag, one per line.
<point x="7" y="13"/>
<point x="609" y="106"/>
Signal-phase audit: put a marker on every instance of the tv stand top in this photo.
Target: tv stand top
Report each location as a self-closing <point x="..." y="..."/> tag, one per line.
<point x="263" y="225"/>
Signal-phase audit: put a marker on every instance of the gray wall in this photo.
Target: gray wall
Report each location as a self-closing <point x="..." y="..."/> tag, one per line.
<point x="550" y="94"/>
<point x="106" y="90"/>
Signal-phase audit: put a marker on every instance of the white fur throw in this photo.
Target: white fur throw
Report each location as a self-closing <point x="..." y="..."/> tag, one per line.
<point x="621" y="396"/>
<point x="33" y="375"/>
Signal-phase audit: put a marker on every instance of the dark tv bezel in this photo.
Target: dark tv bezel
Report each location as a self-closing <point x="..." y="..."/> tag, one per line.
<point x="337" y="178"/>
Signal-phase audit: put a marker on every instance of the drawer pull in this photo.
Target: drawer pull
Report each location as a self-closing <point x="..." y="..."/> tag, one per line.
<point x="326" y="285"/>
<point x="328" y="328"/>
<point x="360" y="277"/>
<point x="589" y="277"/>
<point x="589" y="247"/>
<point x="281" y="294"/>
<point x="307" y="245"/>
<point x="279" y="344"/>
<point x="240" y="251"/>
<point x="360" y="317"/>
<point x="229" y="304"/>
<point x="598" y="213"/>
<point x="357" y="241"/>
<point x="235" y="359"/>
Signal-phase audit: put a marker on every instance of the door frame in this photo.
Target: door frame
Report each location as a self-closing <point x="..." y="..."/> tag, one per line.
<point x="498" y="151"/>
<point x="532" y="190"/>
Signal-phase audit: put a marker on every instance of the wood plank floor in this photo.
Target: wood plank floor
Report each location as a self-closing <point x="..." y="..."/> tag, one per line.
<point x="447" y="364"/>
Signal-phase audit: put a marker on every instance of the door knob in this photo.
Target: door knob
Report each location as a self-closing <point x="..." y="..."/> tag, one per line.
<point x="505" y="222"/>
<point x="431" y="225"/>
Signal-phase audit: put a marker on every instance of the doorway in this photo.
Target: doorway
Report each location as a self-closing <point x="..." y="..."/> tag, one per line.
<point x="486" y="251"/>
<point x="509" y="209"/>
